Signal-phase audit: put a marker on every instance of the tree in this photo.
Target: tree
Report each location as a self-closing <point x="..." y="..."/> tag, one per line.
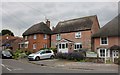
<point x="6" y="31"/>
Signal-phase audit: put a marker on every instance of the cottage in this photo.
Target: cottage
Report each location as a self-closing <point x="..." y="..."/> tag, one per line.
<point x="36" y="37"/>
<point x="11" y="42"/>
<point x="106" y="40"/>
<point x="74" y="34"/>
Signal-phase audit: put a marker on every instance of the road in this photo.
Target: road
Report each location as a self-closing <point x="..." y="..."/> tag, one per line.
<point x="15" y="66"/>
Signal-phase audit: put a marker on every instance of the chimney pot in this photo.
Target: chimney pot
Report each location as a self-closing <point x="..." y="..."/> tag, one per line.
<point x="48" y="23"/>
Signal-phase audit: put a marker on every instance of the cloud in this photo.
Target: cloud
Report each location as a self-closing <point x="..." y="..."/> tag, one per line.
<point x="19" y="16"/>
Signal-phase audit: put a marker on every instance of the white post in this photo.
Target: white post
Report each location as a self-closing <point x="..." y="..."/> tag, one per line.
<point x="113" y="56"/>
<point x="105" y="56"/>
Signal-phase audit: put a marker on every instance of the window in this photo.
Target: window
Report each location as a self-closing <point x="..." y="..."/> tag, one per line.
<point x="104" y="41"/>
<point x="77" y="46"/>
<point x="45" y="36"/>
<point x="48" y="52"/>
<point x="58" y="37"/>
<point x="34" y="46"/>
<point x="63" y="45"/>
<point x="45" y="46"/>
<point x="78" y="35"/>
<point x="116" y="53"/>
<point x="26" y="45"/>
<point x="59" y="46"/>
<point x="35" y="36"/>
<point x="102" y="52"/>
<point x="26" y="37"/>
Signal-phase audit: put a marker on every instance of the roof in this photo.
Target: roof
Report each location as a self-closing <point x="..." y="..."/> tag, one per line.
<point x="110" y="29"/>
<point x="12" y="40"/>
<point x="115" y="47"/>
<point x="40" y="28"/>
<point x="73" y="25"/>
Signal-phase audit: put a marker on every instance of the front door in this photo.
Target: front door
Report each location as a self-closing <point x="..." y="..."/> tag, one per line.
<point x="115" y="54"/>
<point x="63" y="47"/>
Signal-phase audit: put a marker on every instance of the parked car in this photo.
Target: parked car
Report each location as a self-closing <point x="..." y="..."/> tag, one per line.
<point x="42" y="54"/>
<point x="6" y="54"/>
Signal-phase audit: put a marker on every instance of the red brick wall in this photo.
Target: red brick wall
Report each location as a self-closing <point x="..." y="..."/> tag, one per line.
<point x="40" y="41"/>
<point x="85" y="38"/>
<point x="111" y="41"/>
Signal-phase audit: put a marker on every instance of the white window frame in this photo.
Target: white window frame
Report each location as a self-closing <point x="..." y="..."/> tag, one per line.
<point x="26" y="37"/>
<point x="26" y="45"/>
<point x="101" y="41"/>
<point x="116" y="53"/>
<point x="45" y="36"/>
<point x="106" y="51"/>
<point x="78" y="35"/>
<point x="34" y="36"/>
<point x="58" y="37"/>
<point x="34" y="46"/>
<point x="76" y="46"/>
<point x="60" y="45"/>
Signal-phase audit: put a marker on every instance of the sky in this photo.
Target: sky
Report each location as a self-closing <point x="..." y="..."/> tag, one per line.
<point x="19" y="16"/>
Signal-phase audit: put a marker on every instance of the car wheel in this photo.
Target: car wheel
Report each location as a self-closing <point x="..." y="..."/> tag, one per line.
<point x="37" y="58"/>
<point x="3" y="56"/>
<point x="52" y="57"/>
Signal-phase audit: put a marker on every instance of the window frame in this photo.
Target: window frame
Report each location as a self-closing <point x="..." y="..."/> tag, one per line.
<point x="45" y="36"/>
<point x="102" y="40"/>
<point x="26" y="37"/>
<point x="76" y="44"/>
<point x="78" y="34"/>
<point x="34" y="36"/>
<point x="34" y="46"/>
<point x="58" y="37"/>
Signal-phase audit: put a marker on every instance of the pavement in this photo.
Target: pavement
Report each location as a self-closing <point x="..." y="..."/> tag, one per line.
<point x="71" y="65"/>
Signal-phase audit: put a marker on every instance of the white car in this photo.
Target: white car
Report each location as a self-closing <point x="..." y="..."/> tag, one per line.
<point x="42" y="54"/>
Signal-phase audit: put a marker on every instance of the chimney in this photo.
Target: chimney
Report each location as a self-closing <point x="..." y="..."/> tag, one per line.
<point x="53" y="28"/>
<point x="48" y="23"/>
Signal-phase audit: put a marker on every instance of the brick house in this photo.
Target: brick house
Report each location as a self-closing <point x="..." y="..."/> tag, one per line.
<point x="10" y="42"/>
<point x="74" y="34"/>
<point x="107" y="40"/>
<point x="37" y="36"/>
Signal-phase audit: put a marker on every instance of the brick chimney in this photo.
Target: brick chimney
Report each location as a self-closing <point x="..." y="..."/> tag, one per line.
<point x="53" y="28"/>
<point x="48" y="23"/>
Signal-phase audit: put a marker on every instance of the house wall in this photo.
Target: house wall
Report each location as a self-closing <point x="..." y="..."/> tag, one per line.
<point x="39" y="41"/>
<point x="85" y="39"/>
<point x="111" y="41"/>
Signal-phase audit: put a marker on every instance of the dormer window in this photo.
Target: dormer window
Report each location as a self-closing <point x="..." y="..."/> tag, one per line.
<point x="78" y="35"/>
<point x="35" y="36"/>
<point x="58" y="37"/>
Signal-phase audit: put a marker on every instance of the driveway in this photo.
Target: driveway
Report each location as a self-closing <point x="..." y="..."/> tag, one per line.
<point x="71" y="65"/>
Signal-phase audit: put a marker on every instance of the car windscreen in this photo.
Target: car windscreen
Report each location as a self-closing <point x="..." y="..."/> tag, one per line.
<point x="6" y="52"/>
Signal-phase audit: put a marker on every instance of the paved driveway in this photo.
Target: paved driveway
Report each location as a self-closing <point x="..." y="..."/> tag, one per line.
<point x="85" y="66"/>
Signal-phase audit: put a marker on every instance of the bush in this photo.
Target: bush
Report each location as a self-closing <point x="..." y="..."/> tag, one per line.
<point x="19" y="54"/>
<point x="77" y="56"/>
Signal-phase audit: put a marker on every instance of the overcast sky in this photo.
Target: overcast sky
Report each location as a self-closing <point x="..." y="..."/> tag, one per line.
<point x="19" y="16"/>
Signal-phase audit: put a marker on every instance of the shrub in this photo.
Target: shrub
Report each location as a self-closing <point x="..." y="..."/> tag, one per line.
<point x="19" y="54"/>
<point x="77" y="56"/>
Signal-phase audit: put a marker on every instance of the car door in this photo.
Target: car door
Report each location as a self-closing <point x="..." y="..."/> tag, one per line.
<point x="43" y="55"/>
<point x="48" y="54"/>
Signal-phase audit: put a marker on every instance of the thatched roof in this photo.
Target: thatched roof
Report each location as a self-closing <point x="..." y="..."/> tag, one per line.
<point x="110" y="29"/>
<point x="115" y="47"/>
<point x="40" y="28"/>
<point x="74" y="25"/>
